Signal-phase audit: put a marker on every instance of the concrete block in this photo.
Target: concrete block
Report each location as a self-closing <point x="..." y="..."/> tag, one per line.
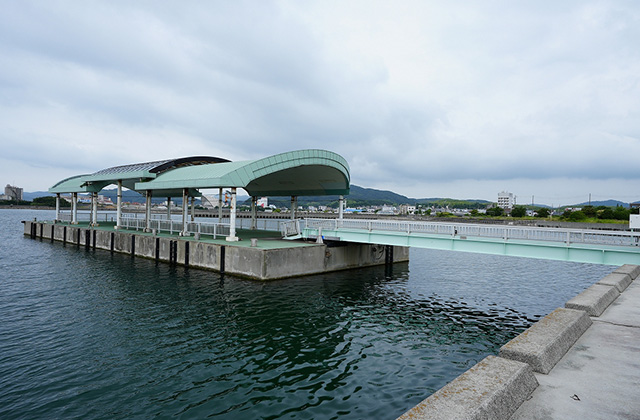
<point x="619" y="280"/>
<point x="632" y="270"/>
<point x="492" y="389"/>
<point x="594" y="300"/>
<point x="544" y="343"/>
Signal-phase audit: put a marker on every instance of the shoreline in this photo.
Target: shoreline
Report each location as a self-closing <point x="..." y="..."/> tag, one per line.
<point x="572" y="350"/>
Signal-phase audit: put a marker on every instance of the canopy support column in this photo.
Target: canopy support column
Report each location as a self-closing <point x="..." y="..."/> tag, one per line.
<point x="168" y="208"/>
<point x="94" y="209"/>
<point x="232" y="218"/>
<point x="185" y="201"/>
<point x="147" y="212"/>
<point x="294" y="205"/>
<point x="254" y="212"/>
<point x="193" y="209"/>
<point x="220" y="205"/>
<point x="341" y="207"/>
<point x="57" y="207"/>
<point x="119" y="206"/>
<point x="74" y="208"/>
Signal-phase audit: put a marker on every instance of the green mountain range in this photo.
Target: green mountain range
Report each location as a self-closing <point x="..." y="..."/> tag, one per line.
<point x="358" y="197"/>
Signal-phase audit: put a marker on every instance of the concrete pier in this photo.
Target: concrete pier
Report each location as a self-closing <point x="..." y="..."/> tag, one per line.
<point x="271" y="258"/>
<point x="581" y="363"/>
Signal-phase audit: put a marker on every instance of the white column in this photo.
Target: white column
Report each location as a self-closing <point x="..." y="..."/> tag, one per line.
<point x="74" y="208"/>
<point x="232" y="218"/>
<point x="185" y="199"/>
<point x="147" y="212"/>
<point x="220" y="205"/>
<point x="341" y="207"/>
<point x="169" y="208"/>
<point x="119" y="205"/>
<point x="294" y="204"/>
<point x="254" y="212"/>
<point x="94" y="209"/>
<point x="57" y="207"/>
<point x="193" y="209"/>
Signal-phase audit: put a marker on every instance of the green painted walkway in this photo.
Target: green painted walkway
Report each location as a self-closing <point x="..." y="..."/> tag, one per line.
<point x="267" y="239"/>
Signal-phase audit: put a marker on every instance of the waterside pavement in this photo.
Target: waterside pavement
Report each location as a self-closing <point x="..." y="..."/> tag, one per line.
<point x="599" y="377"/>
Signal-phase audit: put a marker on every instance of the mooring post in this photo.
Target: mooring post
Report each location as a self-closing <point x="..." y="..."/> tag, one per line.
<point x="222" y="252"/>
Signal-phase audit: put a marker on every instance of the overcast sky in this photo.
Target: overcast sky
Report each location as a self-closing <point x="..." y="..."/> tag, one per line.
<point x="425" y="98"/>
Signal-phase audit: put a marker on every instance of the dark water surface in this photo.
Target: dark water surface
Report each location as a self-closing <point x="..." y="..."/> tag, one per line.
<point x="90" y="334"/>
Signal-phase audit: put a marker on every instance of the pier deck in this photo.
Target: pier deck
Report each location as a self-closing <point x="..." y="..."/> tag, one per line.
<point x="267" y="239"/>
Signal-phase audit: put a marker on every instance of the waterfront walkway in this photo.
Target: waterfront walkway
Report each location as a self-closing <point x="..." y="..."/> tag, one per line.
<point x="599" y="377"/>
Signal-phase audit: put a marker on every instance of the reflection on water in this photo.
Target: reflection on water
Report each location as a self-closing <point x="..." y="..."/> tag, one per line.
<point x="90" y="334"/>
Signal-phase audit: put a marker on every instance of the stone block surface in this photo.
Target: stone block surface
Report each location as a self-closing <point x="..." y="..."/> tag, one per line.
<point x="594" y="300"/>
<point x="544" y="343"/>
<point x="620" y="280"/>
<point x="632" y="270"/>
<point x="492" y="389"/>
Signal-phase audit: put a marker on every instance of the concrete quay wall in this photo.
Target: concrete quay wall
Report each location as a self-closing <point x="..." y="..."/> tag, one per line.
<point x="252" y="262"/>
<point x="502" y="387"/>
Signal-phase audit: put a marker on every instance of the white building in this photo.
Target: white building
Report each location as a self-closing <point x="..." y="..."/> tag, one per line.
<point x="263" y="202"/>
<point x="407" y="209"/>
<point x="388" y="210"/>
<point x="12" y="192"/>
<point x="506" y="200"/>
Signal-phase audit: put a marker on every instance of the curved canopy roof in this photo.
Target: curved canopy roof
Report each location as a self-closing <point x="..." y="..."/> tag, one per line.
<point x="302" y="172"/>
<point x="69" y="185"/>
<point x="128" y="174"/>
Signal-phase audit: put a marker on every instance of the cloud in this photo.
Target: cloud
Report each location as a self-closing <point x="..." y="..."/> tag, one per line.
<point x="413" y="93"/>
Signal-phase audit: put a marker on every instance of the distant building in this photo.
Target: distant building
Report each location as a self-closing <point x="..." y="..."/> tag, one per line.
<point x="387" y="210"/>
<point x="106" y="201"/>
<point x="506" y="200"/>
<point x="263" y="202"/>
<point x="407" y="209"/>
<point x="12" y="192"/>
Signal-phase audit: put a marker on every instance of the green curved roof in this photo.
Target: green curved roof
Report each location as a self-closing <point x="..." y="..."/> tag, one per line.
<point x="302" y="172"/>
<point x="70" y="185"/>
<point x="129" y="175"/>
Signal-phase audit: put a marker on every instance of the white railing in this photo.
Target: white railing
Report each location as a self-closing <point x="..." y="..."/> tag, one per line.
<point x="84" y="216"/>
<point x="154" y="216"/>
<point x="290" y="228"/>
<point x="175" y="226"/>
<point x="568" y="236"/>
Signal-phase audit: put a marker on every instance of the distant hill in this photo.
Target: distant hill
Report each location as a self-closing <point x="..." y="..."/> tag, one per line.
<point x="608" y="203"/>
<point x="359" y="196"/>
<point x="29" y="196"/>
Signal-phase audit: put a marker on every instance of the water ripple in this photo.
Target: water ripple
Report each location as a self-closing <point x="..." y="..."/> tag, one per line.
<point x="92" y="335"/>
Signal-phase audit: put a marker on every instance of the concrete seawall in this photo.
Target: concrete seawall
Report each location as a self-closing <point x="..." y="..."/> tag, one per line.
<point x="522" y="383"/>
<point x="267" y="261"/>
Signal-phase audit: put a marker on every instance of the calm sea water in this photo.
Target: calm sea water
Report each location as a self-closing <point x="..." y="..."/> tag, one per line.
<point x="95" y="335"/>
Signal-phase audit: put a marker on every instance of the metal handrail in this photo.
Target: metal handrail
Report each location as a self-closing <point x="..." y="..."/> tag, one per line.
<point x="85" y="216"/>
<point x="175" y="226"/>
<point x="568" y="236"/>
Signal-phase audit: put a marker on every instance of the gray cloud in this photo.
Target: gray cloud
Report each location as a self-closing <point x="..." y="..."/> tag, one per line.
<point x="412" y="94"/>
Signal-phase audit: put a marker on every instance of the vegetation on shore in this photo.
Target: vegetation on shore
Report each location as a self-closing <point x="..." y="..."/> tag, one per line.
<point x="48" y="201"/>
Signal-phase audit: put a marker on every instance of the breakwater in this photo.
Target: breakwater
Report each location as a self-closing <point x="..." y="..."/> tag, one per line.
<point x="501" y="387"/>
